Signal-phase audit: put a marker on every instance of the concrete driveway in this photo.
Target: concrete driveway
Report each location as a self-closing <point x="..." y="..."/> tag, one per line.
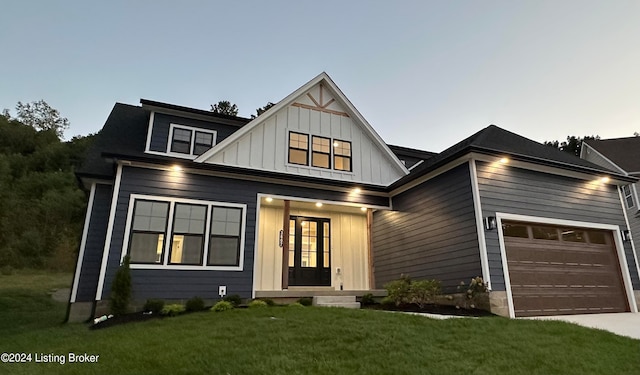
<point x="623" y="324"/>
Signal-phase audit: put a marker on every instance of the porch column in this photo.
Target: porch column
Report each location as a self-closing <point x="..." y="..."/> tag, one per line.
<point x="285" y="245"/>
<point x="372" y="280"/>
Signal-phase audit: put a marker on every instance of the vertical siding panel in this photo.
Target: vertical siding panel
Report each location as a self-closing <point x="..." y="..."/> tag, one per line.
<point x="269" y="154"/>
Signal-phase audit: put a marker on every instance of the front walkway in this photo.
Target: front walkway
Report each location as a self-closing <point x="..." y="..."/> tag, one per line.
<point x="623" y="324"/>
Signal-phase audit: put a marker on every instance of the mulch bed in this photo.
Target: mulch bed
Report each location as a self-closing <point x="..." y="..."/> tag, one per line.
<point x="432" y="309"/>
<point x="126" y="318"/>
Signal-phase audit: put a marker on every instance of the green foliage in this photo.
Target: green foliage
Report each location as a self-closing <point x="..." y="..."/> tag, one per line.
<point x="399" y="290"/>
<point x="422" y="292"/>
<point x="268" y="301"/>
<point x="572" y="145"/>
<point x="256" y="303"/>
<point x="471" y="292"/>
<point x="305" y="301"/>
<point x="367" y="300"/>
<point x="153" y="305"/>
<point x="387" y="302"/>
<point x="295" y="304"/>
<point x="195" y="304"/>
<point x="222" y="306"/>
<point x="224" y="107"/>
<point x="173" y="309"/>
<point x="41" y="116"/>
<point x="234" y="299"/>
<point x="121" y="289"/>
<point x="262" y="110"/>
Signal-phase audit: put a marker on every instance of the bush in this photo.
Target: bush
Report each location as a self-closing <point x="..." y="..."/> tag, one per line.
<point x="153" y="305"/>
<point x="195" y="304"/>
<point x="256" y="303"/>
<point x="222" y="306"/>
<point x="399" y="291"/>
<point x="121" y="289"/>
<point x="475" y="288"/>
<point x="295" y="304"/>
<point x="268" y="301"/>
<point x="305" y="301"/>
<point x="387" y="302"/>
<point x="367" y="300"/>
<point x="173" y="309"/>
<point x="234" y="299"/>
<point x="423" y="292"/>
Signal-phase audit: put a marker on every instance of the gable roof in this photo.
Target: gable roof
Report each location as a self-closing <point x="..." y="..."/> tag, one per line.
<point x="322" y="78"/>
<point x="494" y="140"/>
<point x="624" y="152"/>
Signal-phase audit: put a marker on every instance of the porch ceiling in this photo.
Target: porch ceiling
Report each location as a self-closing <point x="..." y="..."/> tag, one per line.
<point x="311" y="206"/>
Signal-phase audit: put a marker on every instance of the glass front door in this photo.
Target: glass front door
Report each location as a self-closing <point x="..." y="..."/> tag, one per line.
<point x="309" y="251"/>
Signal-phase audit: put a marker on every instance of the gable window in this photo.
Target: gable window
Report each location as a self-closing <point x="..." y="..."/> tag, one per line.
<point x="148" y="231"/>
<point x="321" y="152"/>
<point x="298" y="148"/>
<point x="628" y="195"/>
<point x="189" y="141"/>
<point x="200" y="235"/>
<point x="342" y="155"/>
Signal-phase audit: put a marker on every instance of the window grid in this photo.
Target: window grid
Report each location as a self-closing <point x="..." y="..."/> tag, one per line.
<point x="190" y="142"/>
<point x="322" y="150"/>
<point x="298" y="148"/>
<point x="628" y="196"/>
<point x="181" y="141"/>
<point x="342" y="155"/>
<point x="187" y="239"/>
<point x="148" y="230"/>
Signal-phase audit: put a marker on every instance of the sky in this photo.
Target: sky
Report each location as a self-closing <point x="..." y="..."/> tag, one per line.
<point x="425" y="74"/>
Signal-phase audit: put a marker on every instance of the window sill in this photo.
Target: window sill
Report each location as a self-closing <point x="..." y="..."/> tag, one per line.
<point x="183" y="267"/>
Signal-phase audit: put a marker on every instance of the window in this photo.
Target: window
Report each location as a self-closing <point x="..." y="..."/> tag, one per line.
<point x="298" y="148"/>
<point x="187" y="240"/>
<point x="200" y="234"/>
<point x="147" y="231"/>
<point x="224" y="245"/>
<point x="321" y="152"/>
<point x="515" y="230"/>
<point x="190" y="141"/>
<point x="628" y="195"/>
<point x="545" y="233"/>
<point x="572" y="235"/>
<point x="342" y="155"/>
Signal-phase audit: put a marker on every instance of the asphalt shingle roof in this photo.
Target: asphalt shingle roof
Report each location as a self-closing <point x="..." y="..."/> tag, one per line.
<point x="624" y="152"/>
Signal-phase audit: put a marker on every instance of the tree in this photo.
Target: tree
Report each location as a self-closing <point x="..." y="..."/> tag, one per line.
<point x="572" y="145"/>
<point x="224" y="107"/>
<point x="262" y="110"/>
<point x="41" y="116"/>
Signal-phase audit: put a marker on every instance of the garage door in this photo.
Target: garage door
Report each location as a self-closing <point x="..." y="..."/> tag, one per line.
<point x="562" y="270"/>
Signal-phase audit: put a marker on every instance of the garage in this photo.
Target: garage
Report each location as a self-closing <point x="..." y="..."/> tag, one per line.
<point x="559" y="270"/>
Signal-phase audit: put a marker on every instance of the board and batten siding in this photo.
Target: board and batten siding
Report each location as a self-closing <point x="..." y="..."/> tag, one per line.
<point x="96" y="234"/>
<point x="265" y="147"/>
<point x="168" y="283"/>
<point x="430" y="234"/>
<point x="348" y="244"/>
<point x="507" y="189"/>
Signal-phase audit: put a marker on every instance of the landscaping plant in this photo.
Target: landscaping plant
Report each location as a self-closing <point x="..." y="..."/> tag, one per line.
<point x="121" y="289"/>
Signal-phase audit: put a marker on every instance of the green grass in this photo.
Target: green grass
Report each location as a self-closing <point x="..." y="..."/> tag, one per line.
<point x="281" y="340"/>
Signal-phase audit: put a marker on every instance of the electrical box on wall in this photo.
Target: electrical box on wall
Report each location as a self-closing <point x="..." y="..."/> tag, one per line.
<point x="222" y="290"/>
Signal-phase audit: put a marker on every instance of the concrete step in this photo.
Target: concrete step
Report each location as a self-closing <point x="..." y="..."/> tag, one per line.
<point x="336" y="301"/>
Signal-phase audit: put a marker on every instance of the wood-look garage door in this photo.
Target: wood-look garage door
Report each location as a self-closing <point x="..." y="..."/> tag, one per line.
<point x="562" y="270"/>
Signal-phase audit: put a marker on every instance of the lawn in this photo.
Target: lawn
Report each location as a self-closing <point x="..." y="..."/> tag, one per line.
<point x="289" y="340"/>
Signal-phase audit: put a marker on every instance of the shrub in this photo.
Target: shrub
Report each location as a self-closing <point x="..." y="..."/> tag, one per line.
<point x="399" y="290"/>
<point x="423" y="292"/>
<point x="387" y="302"/>
<point x="153" y="305"/>
<point x="295" y="304"/>
<point x="256" y="303"/>
<point x="367" y="300"/>
<point x="121" y="289"/>
<point x="305" y="301"/>
<point x="173" y="309"/>
<point x="471" y="292"/>
<point x="234" y="299"/>
<point x="195" y="304"/>
<point x="222" y="306"/>
<point x="268" y="301"/>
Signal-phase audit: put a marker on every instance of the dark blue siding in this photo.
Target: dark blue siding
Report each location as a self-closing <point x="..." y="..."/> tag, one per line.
<point x="431" y="234"/>
<point x="167" y="283"/>
<point x="161" y="122"/>
<point x="94" y="247"/>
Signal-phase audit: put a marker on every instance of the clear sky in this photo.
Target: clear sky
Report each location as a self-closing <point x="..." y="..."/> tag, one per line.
<point x="425" y="74"/>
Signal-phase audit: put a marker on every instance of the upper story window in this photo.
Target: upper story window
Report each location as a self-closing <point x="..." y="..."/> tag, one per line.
<point x="190" y="141"/>
<point x="322" y="152"/>
<point x="628" y="195"/>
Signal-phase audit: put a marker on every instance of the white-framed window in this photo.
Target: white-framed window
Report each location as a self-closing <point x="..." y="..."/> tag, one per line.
<point x="174" y="233"/>
<point x="189" y="142"/>
<point x="627" y="192"/>
<point x="321" y="152"/>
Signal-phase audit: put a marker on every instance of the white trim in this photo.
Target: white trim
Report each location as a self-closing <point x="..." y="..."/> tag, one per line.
<point x="482" y="242"/>
<point x="83" y="243"/>
<point x="340" y="97"/>
<point x="415" y="165"/>
<point x="602" y="156"/>
<point x="323" y="201"/>
<point x="172" y="202"/>
<point x="192" y="141"/>
<point x="149" y="132"/>
<point x="631" y="194"/>
<point x="633" y="246"/>
<point x="309" y="165"/>
<point x="256" y="245"/>
<point x="107" y="244"/>
<point x="635" y="197"/>
<point x="626" y="277"/>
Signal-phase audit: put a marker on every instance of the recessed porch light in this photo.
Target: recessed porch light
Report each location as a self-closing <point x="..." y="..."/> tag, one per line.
<point x="269" y="199"/>
<point x="357" y="190"/>
<point x="504" y="161"/>
<point x="604" y="180"/>
<point x="363" y="209"/>
<point x="318" y="204"/>
<point x="176" y="168"/>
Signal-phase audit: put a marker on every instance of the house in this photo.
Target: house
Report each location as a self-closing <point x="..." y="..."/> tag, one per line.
<point x="623" y="156"/>
<point x="307" y="199"/>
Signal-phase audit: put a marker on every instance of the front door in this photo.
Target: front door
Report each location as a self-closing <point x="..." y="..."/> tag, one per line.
<point x="309" y="254"/>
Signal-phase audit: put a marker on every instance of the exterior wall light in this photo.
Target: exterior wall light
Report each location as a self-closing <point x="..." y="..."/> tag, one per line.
<point x="318" y="204"/>
<point x="504" y="161"/>
<point x="490" y="223"/>
<point x="176" y="168"/>
<point x="363" y="209"/>
<point x="604" y="180"/>
<point x="626" y="235"/>
<point x="269" y="199"/>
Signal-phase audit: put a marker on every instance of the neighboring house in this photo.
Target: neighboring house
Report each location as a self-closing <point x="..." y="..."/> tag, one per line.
<point x="307" y="199"/>
<point x="623" y="156"/>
